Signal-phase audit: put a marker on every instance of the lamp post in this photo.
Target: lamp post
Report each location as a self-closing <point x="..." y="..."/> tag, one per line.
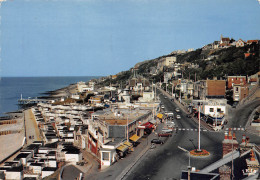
<point x="172" y="89"/>
<point x="199" y="103"/>
<point x="189" y="167"/>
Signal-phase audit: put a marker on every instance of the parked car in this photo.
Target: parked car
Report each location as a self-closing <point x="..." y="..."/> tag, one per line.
<point x="157" y="141"/>
<point x="188" y="116"/>
<point x="177" y="110"/>
<point x="178" y="117"/>
<point x="170" y="114"/>
<point x="165" y="134"/>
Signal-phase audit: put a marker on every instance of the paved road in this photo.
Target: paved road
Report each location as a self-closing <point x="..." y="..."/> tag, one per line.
<point x="167" y="161"/>
<point x="239" y="116"/>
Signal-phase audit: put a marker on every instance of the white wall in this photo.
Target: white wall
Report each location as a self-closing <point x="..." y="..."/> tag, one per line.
<point x="13" y="175"/>
<point x="52" y="163"/>
<point x="36" y="169"/>
<point x="214" y="113"/>
<point x="46" y="173"/>
<point x="73" y="157"/>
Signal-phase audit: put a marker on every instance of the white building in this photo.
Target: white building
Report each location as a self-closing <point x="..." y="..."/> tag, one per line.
<point x="73" y="156"/>
<point x="147" y="97"/>
<point x="47" y="171"/>
<point x="212" y="107"/>
<point x="14" y="173"/>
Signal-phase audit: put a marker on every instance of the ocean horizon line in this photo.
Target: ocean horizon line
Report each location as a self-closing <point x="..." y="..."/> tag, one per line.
<point x="46" y="76"/>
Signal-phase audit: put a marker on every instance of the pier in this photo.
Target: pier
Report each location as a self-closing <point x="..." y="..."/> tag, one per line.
<point x="33" y="101"/>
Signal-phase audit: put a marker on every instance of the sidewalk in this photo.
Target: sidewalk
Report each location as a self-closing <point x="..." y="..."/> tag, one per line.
<point x="119" y="169"/>
<point x="32" y="130"/>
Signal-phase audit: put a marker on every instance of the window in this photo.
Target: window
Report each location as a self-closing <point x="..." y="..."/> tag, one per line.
<point x="105" y="156"/>
<point x="218" y="109"/>
<point x="236" y="89"/>
<point x="211" y="110"/>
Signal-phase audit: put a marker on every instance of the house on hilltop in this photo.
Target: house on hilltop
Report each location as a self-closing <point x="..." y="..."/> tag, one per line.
<point x="224" y="41"/>
<point x="240" y="43"/>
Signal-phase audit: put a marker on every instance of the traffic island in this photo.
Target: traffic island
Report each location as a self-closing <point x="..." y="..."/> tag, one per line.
<point x="199" y="153"/>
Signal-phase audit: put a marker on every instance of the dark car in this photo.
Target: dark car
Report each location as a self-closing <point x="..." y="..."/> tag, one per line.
<point x="157" y="141"/>
<point x="165" y="134"/>
<point x="188" y="116"/>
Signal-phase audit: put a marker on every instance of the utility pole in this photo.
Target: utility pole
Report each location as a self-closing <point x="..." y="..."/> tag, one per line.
<point x="180" y="95"/>
<point x="127" y="130"/>
<point x="172" y="89"/>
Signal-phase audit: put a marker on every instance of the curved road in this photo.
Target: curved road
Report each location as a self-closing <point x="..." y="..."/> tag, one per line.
<point x="240" y="115"/>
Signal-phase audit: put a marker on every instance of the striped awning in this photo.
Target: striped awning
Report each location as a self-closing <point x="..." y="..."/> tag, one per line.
<point x="160" y="116"/>
<point x="134" y="138"/>
<point x="122" y="148"/>
<point x="128" y="144"/>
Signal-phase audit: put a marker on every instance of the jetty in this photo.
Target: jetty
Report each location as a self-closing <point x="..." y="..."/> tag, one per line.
<point x="33" y="101"/>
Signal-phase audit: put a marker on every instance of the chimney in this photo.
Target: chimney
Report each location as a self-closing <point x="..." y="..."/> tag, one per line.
<point x="226" y="135"/>
<point x="244" y="138"/>
<point x="247" y="140"/>
<point x="234" y="136"/>
<point x="252" y="155"/>
<point x="229" y="134"/>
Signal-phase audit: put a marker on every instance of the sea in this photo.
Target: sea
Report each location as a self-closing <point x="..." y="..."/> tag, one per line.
<point x="12" y="88"/>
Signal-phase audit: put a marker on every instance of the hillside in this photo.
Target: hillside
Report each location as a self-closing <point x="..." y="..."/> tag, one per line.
<point x="212" y="63"/>
<point x="224" y="62"/>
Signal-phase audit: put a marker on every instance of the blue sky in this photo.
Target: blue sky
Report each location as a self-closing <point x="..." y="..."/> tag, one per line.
<point x="95" y="37"/>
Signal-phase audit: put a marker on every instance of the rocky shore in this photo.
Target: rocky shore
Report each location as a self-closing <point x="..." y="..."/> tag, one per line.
<point x="62" y="92"/>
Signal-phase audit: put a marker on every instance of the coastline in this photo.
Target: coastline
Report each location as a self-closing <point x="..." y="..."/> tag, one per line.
<point x="15" y="88"/>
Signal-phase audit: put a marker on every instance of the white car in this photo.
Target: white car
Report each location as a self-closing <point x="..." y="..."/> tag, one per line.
<point x="177" y="110"/>
<point x="178" y="117"/>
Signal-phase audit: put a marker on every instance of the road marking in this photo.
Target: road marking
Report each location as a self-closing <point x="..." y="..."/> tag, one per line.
<point x="187" y="129"/>
<point x="234" y="129"/>
<point x="196" y="129"/>
<point x="183" y="129"/>
<point x="238" y="129"/>
<point x="191" y="129"/>
<point x="226" y="129"/>
<point x="204" y="130"/>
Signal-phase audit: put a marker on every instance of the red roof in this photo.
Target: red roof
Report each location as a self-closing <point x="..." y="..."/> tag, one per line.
<point x="242" y="40"/>
<point x="253" y="80"/>
<point x="225" y="39"/>
<point x="252" y="41"/>
<point x="148" y="125"/>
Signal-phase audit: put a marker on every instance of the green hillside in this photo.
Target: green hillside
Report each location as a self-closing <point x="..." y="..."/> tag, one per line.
<point x="212" y="63"/>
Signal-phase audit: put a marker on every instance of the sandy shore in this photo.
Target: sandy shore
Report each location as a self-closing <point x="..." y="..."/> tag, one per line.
<point x="12" y="142"/>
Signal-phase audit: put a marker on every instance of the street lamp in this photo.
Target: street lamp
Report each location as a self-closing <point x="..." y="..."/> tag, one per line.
<point x="199" y="104"/>
<point x="189" y="167"/>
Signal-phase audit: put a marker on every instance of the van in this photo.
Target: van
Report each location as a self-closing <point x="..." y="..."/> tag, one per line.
<point x="170" y="114"/>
